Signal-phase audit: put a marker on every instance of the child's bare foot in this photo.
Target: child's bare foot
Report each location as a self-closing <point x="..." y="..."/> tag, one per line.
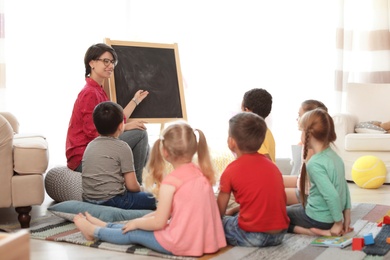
<point x="321" y="232"/>
<point x="304" y="231"/>
<point x="95" y="221"/>
<point x="86" y="228"/>
<point x="80" y="215"/>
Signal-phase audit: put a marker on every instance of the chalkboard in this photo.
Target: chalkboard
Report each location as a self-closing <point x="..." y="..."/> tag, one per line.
<point x="154" y="67"/>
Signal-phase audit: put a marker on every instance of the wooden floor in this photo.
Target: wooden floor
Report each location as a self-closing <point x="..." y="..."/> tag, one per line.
<point x="45" y="250"/>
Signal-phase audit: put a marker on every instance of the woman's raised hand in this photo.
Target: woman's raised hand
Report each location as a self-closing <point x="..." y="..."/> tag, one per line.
<point x="140" y="95"/>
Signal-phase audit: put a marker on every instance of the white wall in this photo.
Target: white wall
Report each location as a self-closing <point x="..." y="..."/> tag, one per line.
<point x="225" y="48"/>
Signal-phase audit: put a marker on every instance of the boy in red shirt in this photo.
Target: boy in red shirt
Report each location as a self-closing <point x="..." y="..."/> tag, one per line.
<point x="257" y="184"/>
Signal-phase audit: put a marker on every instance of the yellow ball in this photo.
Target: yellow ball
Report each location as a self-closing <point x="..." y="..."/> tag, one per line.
<point x="369" y="172"/>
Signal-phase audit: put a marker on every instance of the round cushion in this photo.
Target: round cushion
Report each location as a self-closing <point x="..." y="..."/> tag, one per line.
<point x="63" y="184"/>
<point x="369" y="172"/>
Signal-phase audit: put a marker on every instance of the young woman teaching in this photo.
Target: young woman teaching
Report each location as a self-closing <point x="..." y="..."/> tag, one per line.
<point x="100" y="60"/>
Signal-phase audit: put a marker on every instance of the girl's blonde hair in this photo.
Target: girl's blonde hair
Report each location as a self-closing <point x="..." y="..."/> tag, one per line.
<point x="180" y="141"/>
<point x="316" y="124"/>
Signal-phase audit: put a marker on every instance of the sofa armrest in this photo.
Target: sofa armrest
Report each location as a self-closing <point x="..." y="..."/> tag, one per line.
<point x="11" y="120"/>
<point x="344" y="124"/>
<point x="6" y="162"/>
<point x="31" y="154"/>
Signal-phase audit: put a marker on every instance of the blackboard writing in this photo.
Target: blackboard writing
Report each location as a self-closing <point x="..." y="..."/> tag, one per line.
<point x="154" y="69"/>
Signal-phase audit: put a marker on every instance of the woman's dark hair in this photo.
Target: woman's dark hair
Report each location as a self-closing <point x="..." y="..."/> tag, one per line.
<point x="248" y="130"/>
<point x="258" y="101"/>
<point x="94" y="52"/>
<point x="107" y="116"/>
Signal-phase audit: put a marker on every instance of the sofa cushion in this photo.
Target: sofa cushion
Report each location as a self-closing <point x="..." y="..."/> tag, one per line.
<point x="367" y="142"/>
<point x="30" y="154"/>
<point x="369" y="128"/>
<point x="68" y="209"/>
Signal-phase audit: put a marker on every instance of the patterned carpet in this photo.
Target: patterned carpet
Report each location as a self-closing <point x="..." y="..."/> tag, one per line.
<point x="298" y="246"/>
<point x="53" y="228"/>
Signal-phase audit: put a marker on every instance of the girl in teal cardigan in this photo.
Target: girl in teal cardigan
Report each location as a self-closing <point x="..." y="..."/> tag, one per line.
<point x="327" y="209"/>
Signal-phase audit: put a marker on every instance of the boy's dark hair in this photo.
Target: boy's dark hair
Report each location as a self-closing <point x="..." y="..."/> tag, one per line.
<point x="107" y="116"/>
<point x="248" y="130"/>
<point x="94" y="52"/>
<point x="259" y="101"/>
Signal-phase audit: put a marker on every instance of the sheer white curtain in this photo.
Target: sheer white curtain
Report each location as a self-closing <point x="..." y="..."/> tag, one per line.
<point x="363" y="42"/>
<point x="225" y="48"/>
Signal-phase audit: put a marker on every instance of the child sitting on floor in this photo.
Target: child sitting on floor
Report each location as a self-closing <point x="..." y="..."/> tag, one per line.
<point x="256" y="182"/>
<point x="291" y="182"/>
<point x="108" y="174"/>
<point x="187" y="221"/>
<point x="328" y="206"/>
<point x="259" y="101"/>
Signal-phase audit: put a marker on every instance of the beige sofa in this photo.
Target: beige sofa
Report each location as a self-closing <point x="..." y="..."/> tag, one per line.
<point x="23" y="161"/>
<point x="363" y="103"/>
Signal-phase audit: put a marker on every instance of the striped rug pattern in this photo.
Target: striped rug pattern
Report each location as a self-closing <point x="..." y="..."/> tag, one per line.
<point x="54" y="228"/>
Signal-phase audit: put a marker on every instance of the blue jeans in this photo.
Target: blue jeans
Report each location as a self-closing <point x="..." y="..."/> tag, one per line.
<point x="139" y="144"/>
<point x="112" y="233"/>
<point x="298" y="217"/>
<point x="79" y="168"/>
<point x="131" y="200"/>
<point x="235" y="236"/>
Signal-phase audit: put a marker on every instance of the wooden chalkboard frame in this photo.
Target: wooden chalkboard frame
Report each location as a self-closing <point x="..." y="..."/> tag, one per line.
<point x="112" y="89"/>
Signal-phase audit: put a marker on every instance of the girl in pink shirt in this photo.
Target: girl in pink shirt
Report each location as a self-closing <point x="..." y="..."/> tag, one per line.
<point x="187" y="220"/>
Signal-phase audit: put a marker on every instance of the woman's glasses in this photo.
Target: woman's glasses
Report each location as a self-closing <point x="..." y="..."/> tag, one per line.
<point x="107" y="62"/>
